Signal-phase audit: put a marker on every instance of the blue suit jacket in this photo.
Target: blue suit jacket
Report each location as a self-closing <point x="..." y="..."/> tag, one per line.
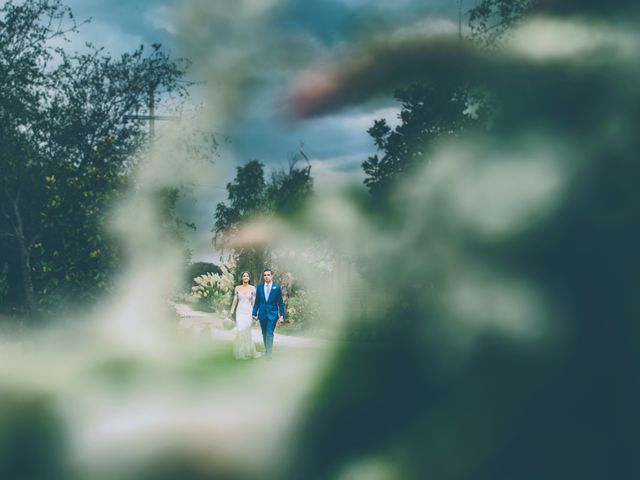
<point x="268" y="308"/>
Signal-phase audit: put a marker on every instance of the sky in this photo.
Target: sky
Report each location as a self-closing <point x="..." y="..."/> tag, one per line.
<point x="305" y="32"/>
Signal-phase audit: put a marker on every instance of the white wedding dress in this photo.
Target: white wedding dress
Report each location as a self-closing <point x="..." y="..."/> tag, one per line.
<point x="243" y="346"/>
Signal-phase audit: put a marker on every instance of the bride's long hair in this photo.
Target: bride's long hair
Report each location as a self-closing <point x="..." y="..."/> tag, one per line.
<point x="242" y="275"/>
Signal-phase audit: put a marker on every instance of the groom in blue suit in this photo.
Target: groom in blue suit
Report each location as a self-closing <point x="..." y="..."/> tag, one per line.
<point x="268" y="308"/>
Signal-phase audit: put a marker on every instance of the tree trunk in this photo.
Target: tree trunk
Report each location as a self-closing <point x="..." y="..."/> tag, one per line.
<point x="24" y="252"/>
<point x="27" y="280"/>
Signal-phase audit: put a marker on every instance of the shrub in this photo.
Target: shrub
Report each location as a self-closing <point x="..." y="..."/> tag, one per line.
<point x="213" y="291"/>
<point x="197" y="269"/>
<point x="302" y="309"/>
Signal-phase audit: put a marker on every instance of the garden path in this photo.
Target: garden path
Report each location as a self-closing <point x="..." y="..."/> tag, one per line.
<point x="198" y="322"/>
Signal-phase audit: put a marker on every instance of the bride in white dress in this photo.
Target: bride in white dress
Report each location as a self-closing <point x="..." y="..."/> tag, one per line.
<point x="243" y="298"/>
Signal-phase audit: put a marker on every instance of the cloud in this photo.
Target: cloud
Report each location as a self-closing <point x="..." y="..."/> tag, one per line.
<point x="119" y="26"/>
<point x="337" y="173"/>
<point x="160" y="17"/>
<point x="271" y="137"/>
<point x="275" y="45"/>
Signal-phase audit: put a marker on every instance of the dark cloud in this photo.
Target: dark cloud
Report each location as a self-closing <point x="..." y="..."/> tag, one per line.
<point x="334" y="21"/>
<point x="304" y="32"/>
<point x="326" y="20"/>
<point x="271" y="137"/>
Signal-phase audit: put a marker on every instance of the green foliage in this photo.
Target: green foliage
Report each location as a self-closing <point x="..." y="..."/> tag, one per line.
<point x="438" y="110"/>
<point x="67" y="143"/>
<point x="502" y="288"/>
<point x="170" y="224"/>
<point x="429" y="112"/>
<point x="510" y="343"/>
<point x="74" y="248"/>
<point x="252" y="259"/>
<point x="289" y="189"/>
<point x="246" y="197"/>
<point x="184" y="285"/>
<point x="302" y="309"/>
<point x="490" y="20"/>
<point x="249" y="196"/>
<point x="33" y="445"/>
<point x="200" y="268"/>
<point x="214" y="291"/>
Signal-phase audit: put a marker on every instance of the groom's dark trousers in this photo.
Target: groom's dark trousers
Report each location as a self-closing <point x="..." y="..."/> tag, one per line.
<point x="268" y="310"/>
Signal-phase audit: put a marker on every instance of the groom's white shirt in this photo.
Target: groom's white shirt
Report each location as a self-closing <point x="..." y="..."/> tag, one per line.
<point x="267" y="288"/>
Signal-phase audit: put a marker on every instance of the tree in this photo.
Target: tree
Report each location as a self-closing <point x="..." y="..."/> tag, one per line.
<point x="23" y="53"/>
<point x="428" y="113"/>
<point x="247" y="199"/>
<point x="437" y="109"/>
<point x="490" y="20"/>
<point x="249" y="196"/>
<point x="66" y="142"/>
<point x="290" y="188"/>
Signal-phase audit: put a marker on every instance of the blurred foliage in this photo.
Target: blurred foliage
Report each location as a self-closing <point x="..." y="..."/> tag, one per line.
<point x="508" y="342"/>
<point x="510" y="345"/>
<point x="302" y="309"/>
<point x="33" y="443"/>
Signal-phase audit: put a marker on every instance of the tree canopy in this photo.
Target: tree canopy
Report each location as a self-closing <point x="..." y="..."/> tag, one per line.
<point x="67" y="149"/>
<point x="250" y="196"/>
<point x="431" y="110"/>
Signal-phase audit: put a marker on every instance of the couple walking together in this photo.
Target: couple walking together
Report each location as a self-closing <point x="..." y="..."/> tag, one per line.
<point x="263" y="303"/>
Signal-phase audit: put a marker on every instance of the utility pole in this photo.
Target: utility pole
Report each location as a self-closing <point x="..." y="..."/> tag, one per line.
<point x="152" y="111"/>
<point x="460" y="19"/>
<point x="151" y="117"/>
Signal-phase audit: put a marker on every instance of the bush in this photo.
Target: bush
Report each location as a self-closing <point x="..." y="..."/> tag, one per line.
<point x="198" y="269"/>
<point x="302" y="309"/>
<point x="213" y="291"/>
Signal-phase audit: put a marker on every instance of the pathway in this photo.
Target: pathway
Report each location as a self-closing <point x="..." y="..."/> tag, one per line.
<point x="198" y="322"/>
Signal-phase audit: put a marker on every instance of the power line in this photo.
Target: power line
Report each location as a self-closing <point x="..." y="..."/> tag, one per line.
<point x="207" y="186"/>
<point x="150" y="117"/>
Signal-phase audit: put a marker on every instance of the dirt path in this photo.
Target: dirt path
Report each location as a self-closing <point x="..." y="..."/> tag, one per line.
<point x="198" y="322"/>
